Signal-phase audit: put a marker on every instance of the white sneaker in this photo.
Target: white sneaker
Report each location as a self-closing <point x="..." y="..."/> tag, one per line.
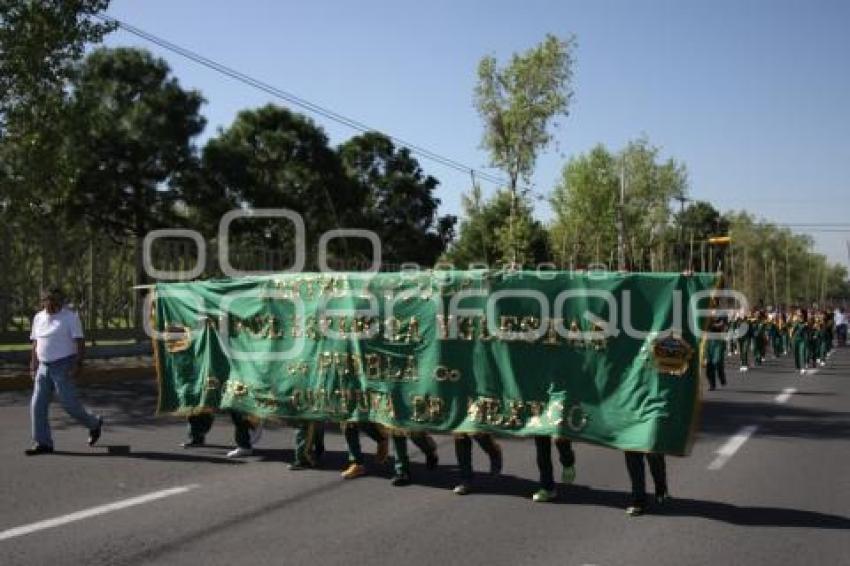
<point x="822" y="363"/>
<point x="239" y="452"/>
<point x="256" y="434"/>
<point x="802" y="372"/>
<point x="744" y="368"/>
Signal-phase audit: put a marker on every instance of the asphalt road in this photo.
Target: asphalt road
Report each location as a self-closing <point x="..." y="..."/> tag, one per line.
<point x="783" y="497"/>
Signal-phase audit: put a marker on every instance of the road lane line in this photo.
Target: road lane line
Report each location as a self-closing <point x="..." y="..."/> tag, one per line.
<point x="732" y="445"/>
<point x="93" y="512"/>
<point x="785" y="395"/>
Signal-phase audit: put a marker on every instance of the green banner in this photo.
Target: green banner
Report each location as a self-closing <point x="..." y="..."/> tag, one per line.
<point x="607" y="358"/>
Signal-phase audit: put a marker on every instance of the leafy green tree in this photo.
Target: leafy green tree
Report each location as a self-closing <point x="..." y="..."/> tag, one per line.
<point x="587" y="197"/>
<point x="270" y="157"/>
<point x="130" y="140"/>
<point x="485" y="236"/>
<point x="518" y="104"/>
<point x="40" y="42"/>
<point x="584" y="202"/>
<point x="399" y="200"/>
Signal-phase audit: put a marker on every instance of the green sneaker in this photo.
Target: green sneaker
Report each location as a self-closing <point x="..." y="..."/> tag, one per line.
<point x="568" y="476"/>
<point x="544" y="496"/>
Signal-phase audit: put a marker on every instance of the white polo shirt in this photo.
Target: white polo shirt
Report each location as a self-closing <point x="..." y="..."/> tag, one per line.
<point x="55" y="334"/>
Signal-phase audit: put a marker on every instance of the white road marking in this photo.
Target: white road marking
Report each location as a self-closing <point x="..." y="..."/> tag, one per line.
<point x="785" y="395"/>
<point x="732" y="445"/>
<point x="93" y="512"/>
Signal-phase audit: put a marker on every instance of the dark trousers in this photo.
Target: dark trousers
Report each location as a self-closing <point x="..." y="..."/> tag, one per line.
<point x="800" y="354"/>
<point x="715" y="371"/>
<point x="637" y="474"/>
<point x="422" y="441"/>
<point x="351" y="432"/>
<point x="309" y="442"/>
<point x="544" y="458"/>
<point x="463" y="451"/>
<point x="200" y="425"/>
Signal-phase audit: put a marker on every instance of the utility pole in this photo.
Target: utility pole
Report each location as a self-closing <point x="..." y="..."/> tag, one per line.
<point x="681" y="251"/>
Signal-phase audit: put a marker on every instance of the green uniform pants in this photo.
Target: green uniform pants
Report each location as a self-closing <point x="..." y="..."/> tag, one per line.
<point x="309" y="442"/>
<point x="402" y="459"/>
<point x="351" y="432"/>
<point x="567" y="457"/>
<point x="463" y="451"/>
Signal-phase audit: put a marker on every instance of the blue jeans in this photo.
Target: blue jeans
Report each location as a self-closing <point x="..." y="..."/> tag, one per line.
<point x="50" y="376"/>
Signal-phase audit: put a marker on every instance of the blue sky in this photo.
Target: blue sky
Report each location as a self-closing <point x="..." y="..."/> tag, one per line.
<point x="752" y="95"/>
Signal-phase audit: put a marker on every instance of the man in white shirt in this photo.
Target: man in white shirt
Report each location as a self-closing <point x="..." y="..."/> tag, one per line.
<point x="57" y="355"/>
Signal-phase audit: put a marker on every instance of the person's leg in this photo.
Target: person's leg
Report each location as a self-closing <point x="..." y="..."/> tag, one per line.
<point x="744" y="347"/>
<point x="351" y="433"/>
<point x="488" y="443"/>
<point x="59" y="373"/>
<point x="637" y="475"/>
<point x="305" y="432"/>
<point x="721" y="372"/>
<point x="241" y="430"/>
<point x="197" y="427"/>
<point x="709" y="375"/>
<point x="463" y="451"/>
<point x="543" y="448"/>
<point x="428" y="446"/>
<point x="567" y="457"/>
<point x="39" y="408"/>
<point x="658" y="469"/>
<point x="402" y="460"/>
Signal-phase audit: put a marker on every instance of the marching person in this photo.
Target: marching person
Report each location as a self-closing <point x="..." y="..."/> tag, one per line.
<point x="463" y="451"/>
<point x="800" y="340"/>
<point x="637" y="475"/>
<point x="715" y="352"/>
<point x="745" y="331"/>
<point x="543" y="446"/>
<point x="759" y="338"/>
<point x="58" y="348"/>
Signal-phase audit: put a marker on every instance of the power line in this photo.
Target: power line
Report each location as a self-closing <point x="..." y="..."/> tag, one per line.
<point x="298" y="101"/>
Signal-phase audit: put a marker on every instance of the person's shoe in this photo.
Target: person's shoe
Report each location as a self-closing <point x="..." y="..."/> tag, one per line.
<point x="256" y="434"/>
<point x="193" y="443"/>
<point x="461" y="489"/>
<point x="496" y="462"/>
<point x="634" y="510"/>
<point x="662" y="498"/>
<point x="744" y="368"/>
<point x="803" y="371"/>
<point x="400" y="480"/>
<point x="568" y="475"/>
<point x="37" y="449"/>
<point x="544" y="495"/>
<point x="355" y="470"/>
<point x="822" y="363"/>
<point x="94" y="434"/>
<point x="382" y="452"/>
<point x="240" y="452"/>
<point x="298" y="466"/>
<point x="711" y="388"/>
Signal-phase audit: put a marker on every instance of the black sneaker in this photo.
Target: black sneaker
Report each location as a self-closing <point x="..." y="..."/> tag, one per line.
<point x="194" y="443"/>
<point x="298" y="466"/>
<point x="37" y="449"/>
<point x="401" y="480"/>
<point x="94" y="434"/>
